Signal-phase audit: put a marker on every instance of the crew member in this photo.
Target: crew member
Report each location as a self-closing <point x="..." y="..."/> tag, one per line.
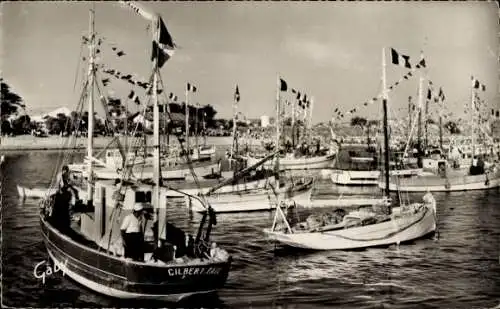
<point x="64" y="182"/>
<point x="133" y="235"/>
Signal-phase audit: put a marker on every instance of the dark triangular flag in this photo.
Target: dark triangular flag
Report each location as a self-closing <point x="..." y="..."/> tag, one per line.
<point x="163" y="49"/>
<point x="131" y="94"/>
<point x="237" y="94"/>
<point x="283" y="85"/>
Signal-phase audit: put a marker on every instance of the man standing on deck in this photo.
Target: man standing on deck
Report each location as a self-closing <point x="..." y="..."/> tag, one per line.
<point x="64" y="182"/>
<point x="132" y="234"/>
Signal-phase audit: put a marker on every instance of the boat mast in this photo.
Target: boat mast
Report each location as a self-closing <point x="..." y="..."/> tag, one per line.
<point x="426" y="124"/>
<point x="293" y="125"/>
<point x="410" y="104"/>
<point x="90" y="119"/>
<point x="187" y="121"/>
<point x="386" y="129"/>
<point x="196" y="128"/>
<point x="441" y="128"/>
<point x="277" y="165"/>
<point x="420" y="106"/>
<point x="156" y="129"/>
<point x="472" y="115"/>
<point x="309" y="128"/>
<point x="233" y="146"/>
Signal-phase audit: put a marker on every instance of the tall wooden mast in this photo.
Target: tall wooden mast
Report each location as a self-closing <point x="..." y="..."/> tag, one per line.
<point x="386" y="125"/>
<point x="90" y="119"/>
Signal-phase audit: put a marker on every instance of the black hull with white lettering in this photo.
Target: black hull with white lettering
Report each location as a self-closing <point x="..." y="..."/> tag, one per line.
<point x="120" y="278"/>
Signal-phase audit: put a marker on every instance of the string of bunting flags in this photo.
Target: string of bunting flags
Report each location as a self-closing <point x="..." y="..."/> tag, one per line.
<point x="301" y="98"/>
<point x="399" y="60"/>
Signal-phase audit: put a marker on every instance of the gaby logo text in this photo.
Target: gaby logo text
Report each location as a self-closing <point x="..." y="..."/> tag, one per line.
<point x="42" y="270"/>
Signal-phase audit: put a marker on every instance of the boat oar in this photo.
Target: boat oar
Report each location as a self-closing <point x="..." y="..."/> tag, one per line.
<point x="240" y="174"/>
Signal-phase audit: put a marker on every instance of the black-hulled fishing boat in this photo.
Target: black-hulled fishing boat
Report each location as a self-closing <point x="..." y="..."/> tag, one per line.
<point x="84" y="240"/>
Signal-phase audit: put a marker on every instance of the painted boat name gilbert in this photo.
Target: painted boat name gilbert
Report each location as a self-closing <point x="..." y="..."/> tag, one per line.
<point x="193" y="271"/>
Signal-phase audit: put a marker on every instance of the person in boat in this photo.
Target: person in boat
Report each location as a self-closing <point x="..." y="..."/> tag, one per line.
<point x="480" y="165"/>
<point x="60" y="216"/>
<point x="477" y="167"/>
<point x="64" y="182"/>
<point x="117" y="195"/>
<point x="133" y="235"/>
<point x="216" y="253"/>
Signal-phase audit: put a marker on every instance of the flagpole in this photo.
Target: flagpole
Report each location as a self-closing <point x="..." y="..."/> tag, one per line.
<point x="156" y="131"/>
<point x="386" y="129"/>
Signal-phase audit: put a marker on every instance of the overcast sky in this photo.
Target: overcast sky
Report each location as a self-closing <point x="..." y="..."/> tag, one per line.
<point x="331" y="51"/>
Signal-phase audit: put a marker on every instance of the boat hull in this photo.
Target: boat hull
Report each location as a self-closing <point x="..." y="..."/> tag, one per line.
<point x="366" y="178"/>
<point x="229" y="189"/>
<point x="147" y="172"/>
<point x="258" y="200"/>
<point x="39" y="192"/>
<point x="125" y="279"/>
<point x="438" y="184"/>
<point x="382" y="234"/>
<point x="297" y="163"/>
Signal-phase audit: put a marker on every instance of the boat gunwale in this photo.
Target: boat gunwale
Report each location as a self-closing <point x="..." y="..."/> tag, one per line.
<point x="119" y="259"/>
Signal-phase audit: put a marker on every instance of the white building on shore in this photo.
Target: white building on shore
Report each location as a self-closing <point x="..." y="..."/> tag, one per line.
<point x="264" y="121"/>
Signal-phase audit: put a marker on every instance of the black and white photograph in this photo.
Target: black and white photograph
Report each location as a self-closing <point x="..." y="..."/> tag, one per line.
<point x="248" y="154"/>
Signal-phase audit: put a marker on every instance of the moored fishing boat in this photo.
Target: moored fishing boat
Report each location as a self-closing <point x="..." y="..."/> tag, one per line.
<point x="254" y="200"/>
<point x="367" y="178"/>
<point x="356" y="165"/>
<point x="172" y="264"/>
<point x="469" y="168"/>
<point x="173" y="171"/>
<point x="378" y="226"/>
<point x="446" y="179"/>
<point x="291" y="162"/>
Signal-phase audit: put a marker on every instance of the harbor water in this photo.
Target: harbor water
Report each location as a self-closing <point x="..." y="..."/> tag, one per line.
<point x="457" y="268"/>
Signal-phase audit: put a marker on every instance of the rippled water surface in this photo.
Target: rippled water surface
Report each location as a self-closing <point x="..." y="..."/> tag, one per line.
<point x="460" y="269"/>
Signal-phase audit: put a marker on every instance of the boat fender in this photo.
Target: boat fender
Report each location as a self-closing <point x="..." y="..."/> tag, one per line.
<point x="487" y="182"/>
